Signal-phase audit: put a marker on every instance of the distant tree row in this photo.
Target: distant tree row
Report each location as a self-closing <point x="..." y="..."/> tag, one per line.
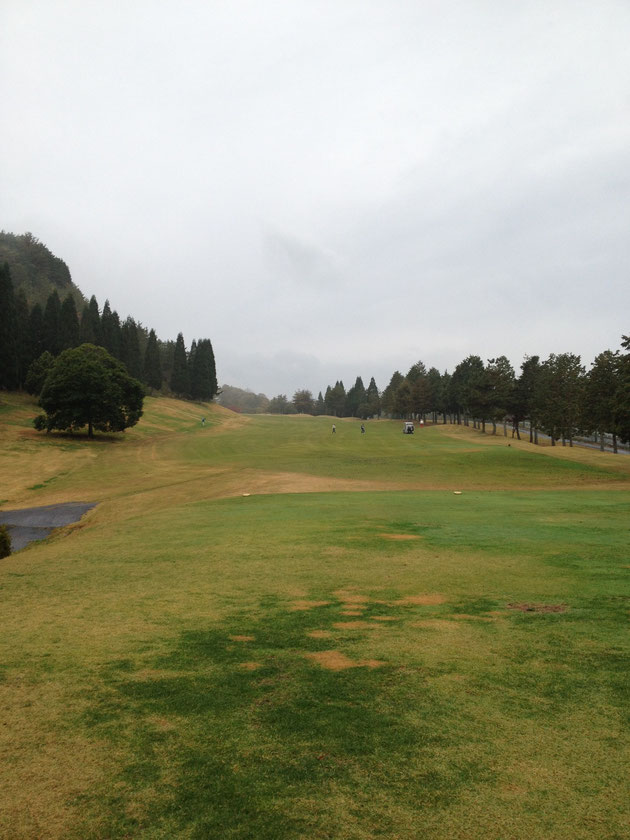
<point x="359" y="401"/>
<point x="556" y="396"/>
<point x="31" y="337"/>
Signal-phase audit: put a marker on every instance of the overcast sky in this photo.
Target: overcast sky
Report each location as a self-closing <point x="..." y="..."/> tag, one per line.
<point x="329" y="189"/>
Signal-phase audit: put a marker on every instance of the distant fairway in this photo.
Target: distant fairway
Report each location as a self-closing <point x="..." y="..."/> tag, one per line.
<point x="349" y="651"/>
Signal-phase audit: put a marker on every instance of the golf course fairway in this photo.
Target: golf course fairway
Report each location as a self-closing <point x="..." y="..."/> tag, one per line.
<point x="263" y="630"/>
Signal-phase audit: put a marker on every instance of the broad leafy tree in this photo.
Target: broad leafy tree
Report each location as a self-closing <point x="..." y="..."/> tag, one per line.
<point x="87" y="386"/>
<point x="303" y="402"/>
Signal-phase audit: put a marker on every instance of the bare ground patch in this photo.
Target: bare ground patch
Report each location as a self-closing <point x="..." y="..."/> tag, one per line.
<point x="334" y="660"/>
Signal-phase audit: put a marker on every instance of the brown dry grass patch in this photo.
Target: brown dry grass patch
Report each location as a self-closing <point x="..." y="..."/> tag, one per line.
<point x="401" y="537"/>
<point x="353" y="598"/>
<point x="334" y="660"/>
<point x="250" y="666"/>
<point x="426" y="600"/>
<point x="319" y="634"/>
<point x="242" y="638"/>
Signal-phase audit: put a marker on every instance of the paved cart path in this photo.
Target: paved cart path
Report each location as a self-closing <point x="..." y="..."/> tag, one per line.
<point x="28" y="524"/>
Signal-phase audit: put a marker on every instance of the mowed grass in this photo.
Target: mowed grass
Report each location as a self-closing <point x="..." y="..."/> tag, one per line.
<point x="349" y="651"/>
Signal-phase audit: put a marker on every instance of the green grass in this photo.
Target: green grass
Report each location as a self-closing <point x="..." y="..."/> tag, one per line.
<point x="163" y="665"/>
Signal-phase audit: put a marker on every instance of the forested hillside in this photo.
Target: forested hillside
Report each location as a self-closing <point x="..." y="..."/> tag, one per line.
<point x="45" y="313"/>
<point x="35" y="270"/>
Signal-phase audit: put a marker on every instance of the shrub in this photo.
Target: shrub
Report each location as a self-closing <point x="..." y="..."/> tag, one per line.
<point x="5" y="541"/>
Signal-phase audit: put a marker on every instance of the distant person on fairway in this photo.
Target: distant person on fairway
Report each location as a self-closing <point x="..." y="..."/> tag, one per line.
<point x="334" y="431"/>
<point x="203" y="421"/>
<point x="362" y="429"/>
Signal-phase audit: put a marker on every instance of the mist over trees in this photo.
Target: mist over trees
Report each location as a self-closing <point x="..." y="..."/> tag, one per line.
<point x="35" y="328"/>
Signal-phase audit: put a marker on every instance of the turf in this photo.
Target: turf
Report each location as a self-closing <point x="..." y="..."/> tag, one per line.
<point x="350" y="651"/>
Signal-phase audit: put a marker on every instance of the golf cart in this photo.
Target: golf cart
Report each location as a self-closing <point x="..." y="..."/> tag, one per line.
<point x="408" y="428"/>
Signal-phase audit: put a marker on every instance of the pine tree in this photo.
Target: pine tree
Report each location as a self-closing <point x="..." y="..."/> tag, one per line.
<point x="8" y="337"/>
<point x="110" y="326"/>
<point x="152" y="368"/>
<point x="36" y="331"/>
<point x="373" y="400"/>
<point x="24" y="345"/>
<point x="68" y="324"/>
<point x="203" y="377"/>
<point x="180" y="379"/>
<point x="130" y="348"/>
<point x="52" y="316"/>
<point x="95" y="321"/>
<point x="320" y="405"/>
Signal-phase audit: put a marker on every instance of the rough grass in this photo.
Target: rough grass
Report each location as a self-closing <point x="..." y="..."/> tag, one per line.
<point x="309" y="660"/>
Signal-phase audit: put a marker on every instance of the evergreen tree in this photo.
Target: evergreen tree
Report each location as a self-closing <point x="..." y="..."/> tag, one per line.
<point x="86" y="331"/>
<point x="110" y="329"/>
<point x="68" y="324"/>
<point x="403" y="402"/>
<point x="433" y="392"/>
<point x="24" y="344"/>
<point x="203" y="383"/>
<point x="130" y="348"/>
<point x="388" y="399"/>
<point x="180" y="378"/>
<point x="372" y="400"/>
<point x="320" y="405"/>
<point x="355" y="399"/>
<point x="52" y="317"/>
<point x="337" y="399"/>
<point x="8" y="337"/>
<point x="527" y="397"/>
<point x="152" y="368"/>
<point x="500" y="375"/>
<point x="623" y="395"/>
<point x="95" y="321"/>
<point x="36" y="331"/>
<point x="562" y="378"/>
<point x="602" y="409"/>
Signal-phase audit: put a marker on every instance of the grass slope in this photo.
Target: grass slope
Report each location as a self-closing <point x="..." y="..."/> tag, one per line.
<point x="351" y="651"/>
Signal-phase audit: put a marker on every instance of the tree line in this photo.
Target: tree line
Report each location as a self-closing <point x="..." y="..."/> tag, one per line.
<point x="31" y="337"/>
<point x="556" y="396"/>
